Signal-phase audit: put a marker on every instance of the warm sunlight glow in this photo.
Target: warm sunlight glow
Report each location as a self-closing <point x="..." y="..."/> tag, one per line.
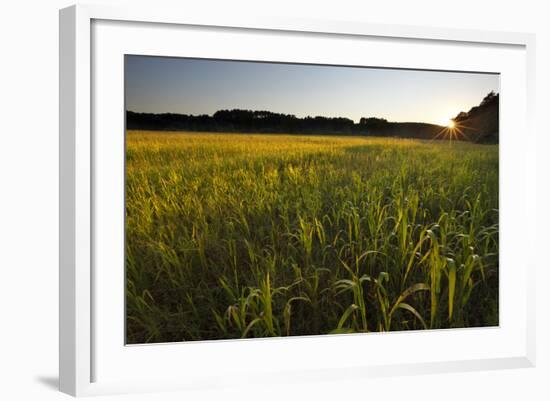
<point x="451" y="124"/>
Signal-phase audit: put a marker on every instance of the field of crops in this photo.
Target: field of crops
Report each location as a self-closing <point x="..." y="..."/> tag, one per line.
<point x="239" y="236"/>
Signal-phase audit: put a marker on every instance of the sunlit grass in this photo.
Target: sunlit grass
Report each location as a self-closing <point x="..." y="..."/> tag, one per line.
<point x="231" y="236"/>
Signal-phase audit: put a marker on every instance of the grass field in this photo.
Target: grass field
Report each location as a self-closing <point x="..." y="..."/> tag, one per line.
<point x="237" y="235"/>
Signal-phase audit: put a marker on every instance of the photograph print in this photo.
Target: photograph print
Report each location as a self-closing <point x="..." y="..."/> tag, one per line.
<point x="279" y="199"/>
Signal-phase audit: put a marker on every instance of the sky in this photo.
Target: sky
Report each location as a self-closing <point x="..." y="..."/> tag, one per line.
<point x="203" y="86"/>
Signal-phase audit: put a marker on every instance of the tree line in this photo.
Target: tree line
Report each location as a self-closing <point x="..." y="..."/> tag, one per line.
<point x="238" y="120"/>
<point x="481" y="122"/>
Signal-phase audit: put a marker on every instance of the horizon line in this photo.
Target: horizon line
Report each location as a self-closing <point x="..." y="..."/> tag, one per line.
<point x="286" y="114"/>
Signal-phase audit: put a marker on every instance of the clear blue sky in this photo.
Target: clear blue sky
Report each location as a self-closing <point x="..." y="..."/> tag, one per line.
<point x="199" y="86"/>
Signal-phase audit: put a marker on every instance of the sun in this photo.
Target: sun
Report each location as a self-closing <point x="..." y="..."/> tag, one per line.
<point x="453" y="130"/>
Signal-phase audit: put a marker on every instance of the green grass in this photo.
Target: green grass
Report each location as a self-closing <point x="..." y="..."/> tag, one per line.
<point x="237" y="236"/>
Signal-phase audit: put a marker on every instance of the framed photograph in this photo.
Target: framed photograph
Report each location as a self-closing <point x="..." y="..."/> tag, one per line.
<point x="269" y="199"/>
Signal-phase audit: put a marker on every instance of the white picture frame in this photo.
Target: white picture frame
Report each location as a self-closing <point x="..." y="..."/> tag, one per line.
<point x="91" y="360"/>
